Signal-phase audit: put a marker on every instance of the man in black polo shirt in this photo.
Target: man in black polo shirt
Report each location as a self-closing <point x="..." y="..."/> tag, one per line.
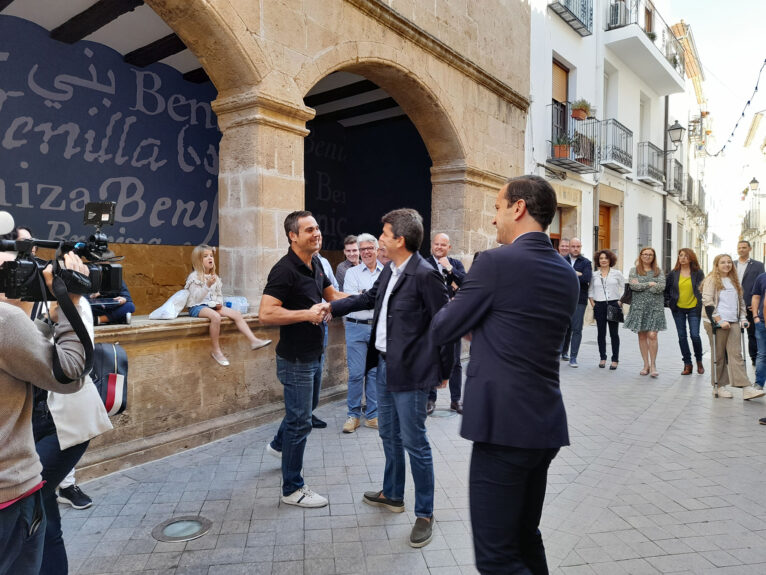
<point x="292" y="299"/>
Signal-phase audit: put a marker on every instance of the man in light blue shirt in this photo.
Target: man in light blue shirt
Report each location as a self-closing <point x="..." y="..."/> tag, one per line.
<point x="358" y="326"/>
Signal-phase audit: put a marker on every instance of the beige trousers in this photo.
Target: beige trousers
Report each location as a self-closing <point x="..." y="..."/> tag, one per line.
<point x="728" y="342"/>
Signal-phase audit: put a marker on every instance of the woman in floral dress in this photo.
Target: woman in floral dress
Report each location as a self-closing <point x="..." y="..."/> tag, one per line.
<point x="647" y="310"/>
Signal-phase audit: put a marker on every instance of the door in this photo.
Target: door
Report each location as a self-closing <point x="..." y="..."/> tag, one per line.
<point x="604" y="227"/>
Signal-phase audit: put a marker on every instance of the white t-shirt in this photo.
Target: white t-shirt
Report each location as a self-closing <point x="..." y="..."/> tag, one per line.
<point x="727" y="302"/>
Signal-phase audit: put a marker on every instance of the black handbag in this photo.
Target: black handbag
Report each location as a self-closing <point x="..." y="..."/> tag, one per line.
<point x="613" y="312"/>
<point x="627" y="296"/>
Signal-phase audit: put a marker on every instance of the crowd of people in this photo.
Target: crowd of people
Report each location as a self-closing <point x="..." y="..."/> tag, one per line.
<point x="728" y="302"/>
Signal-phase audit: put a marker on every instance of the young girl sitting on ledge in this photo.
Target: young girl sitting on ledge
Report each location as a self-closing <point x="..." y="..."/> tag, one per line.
<point x="206" y="300"/>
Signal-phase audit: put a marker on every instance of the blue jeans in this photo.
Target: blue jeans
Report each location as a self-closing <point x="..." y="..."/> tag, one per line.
<point x="402" y="426"/>
<point x="506" y="492"/>
<point x="681" y="316"/>
<point x="576" y="327"/>
<point x="357" y="338"/>
<point x="56" y="466"/>
<point x="21" y="552"/>
<point x="760" y="358"/>
<point x="299" y="379"/>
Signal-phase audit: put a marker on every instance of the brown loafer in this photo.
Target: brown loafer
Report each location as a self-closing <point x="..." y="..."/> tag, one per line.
<point x="687" y="369"/>
<point x="456" y="406"/>
<point x="700" y="368"/>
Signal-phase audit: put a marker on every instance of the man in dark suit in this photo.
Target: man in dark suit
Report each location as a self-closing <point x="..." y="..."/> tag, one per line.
<point x="747" y="270"/>
<point x="582" y="267"/>
<point x="516" y="301"/>
<point x="453" y="272"/>
<point x="405" y="298"/>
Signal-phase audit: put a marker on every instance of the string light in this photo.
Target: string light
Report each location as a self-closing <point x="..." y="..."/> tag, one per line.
<point x="755" y="91"/>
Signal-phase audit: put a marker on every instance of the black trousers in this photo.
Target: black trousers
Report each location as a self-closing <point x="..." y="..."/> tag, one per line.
<point x="752" y="343"/>
<point x="455" y="378"/>
<point x="599" y="313"/>
<point x="507" y="490"/>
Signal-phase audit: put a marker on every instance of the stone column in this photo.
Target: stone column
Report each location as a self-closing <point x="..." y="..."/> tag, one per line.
<point x="463" y="206"/>
<point x="260" y="181"/>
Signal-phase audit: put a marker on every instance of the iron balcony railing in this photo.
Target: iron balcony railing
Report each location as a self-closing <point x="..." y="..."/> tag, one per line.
<point x="750" y="223"/>
<point x="677" y="188"/>
<point x="701" y="198"/>
<point x="617" y="150"/>
<point x="650" y="163"/>
<point x="577" y="13"/>
<point x="575" y="144"/>
<point x="643" y="14"/>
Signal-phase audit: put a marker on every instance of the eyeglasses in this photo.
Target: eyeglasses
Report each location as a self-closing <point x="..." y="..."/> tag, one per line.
<point x="369" y="249"/>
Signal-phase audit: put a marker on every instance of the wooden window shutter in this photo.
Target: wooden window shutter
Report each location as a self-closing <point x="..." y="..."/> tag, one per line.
<point x="560" y="81"/>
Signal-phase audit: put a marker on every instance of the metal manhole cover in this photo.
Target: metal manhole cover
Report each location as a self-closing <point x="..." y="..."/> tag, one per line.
<point x="183" y="528"/>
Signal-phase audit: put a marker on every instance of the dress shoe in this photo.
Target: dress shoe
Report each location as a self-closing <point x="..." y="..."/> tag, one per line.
<point x="700" y="368"/>
<point x="317" y="423"/>
<point x="456" y="406"/>
<point x="687" y="369"/>
<point x="430" y="406"/>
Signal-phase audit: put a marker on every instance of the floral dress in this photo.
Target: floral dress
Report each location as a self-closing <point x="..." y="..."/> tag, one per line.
<point x="647" y="310"/>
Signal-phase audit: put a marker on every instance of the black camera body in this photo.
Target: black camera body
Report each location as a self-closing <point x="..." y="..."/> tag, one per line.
<point x="23" y="279"/>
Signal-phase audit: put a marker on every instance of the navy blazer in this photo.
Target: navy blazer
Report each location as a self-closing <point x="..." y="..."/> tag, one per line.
<point x="753" y="270"/>
<point x="457" y="274"/>
<point x="582" y="265"/>
<point x="413" y="361"/>
<point x="672" y="291"/>
<point x="517" y="300"/>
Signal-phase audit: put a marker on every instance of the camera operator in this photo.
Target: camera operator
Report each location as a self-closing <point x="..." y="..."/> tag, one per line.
<point x="26" y="360"/>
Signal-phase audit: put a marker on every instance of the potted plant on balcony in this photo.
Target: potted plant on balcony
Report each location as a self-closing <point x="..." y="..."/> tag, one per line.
<point x="652" y="36"/>
<point x="561" y="146"/>
<point x="580" y="109"/>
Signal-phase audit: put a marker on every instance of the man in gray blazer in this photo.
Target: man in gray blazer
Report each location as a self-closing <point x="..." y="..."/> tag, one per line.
<point x="516" y="301"/>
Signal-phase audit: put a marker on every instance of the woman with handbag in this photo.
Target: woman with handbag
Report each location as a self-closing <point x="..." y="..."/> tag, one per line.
<point x="683" y="297"/>
<point x="722" y="299"/>
<point x="646" y="316"/>
<point x="604" y="292"/>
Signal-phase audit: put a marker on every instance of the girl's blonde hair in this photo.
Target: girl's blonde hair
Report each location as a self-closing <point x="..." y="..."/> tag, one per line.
<point x="715" y="275"/>
<point x="196" y="259"/>
<point x="640" y="265"/>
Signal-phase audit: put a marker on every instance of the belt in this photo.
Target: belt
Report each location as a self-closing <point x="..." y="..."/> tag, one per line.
<point x="364" y="321"/>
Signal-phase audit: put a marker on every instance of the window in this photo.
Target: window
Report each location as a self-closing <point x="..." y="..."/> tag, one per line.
<point x="644" y="232"/>
<point x="559" y="96"/>
<point x="668" y="247"/>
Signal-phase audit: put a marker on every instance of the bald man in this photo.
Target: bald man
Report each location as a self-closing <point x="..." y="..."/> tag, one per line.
<point x="582" y="267"/>
<point x="453" y="274"/>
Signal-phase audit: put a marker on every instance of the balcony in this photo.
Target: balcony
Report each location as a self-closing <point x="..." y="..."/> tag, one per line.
<point x="575" y="145"/>
<point x="650" y="164"/>
<point x="577" y="13"/>
<point x="617" y="152"/>
<point x="677" y="185"/>
<point x="750" y="223"/>
<point x="640" y="37"/>
<point x="698" y="204"/>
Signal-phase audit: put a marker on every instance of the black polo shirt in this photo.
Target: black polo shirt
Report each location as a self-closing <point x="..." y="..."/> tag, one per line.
<point x="298" y="287"/>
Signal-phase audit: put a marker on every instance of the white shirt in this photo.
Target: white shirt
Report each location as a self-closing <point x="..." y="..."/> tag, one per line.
<point x="727" y="302"/>
<point x="380" y="329"/>
<point x="614" y="283"/>
<point x="741" y="267"/>
<point x="358" y="279"/>
<point x="328" y="271"/>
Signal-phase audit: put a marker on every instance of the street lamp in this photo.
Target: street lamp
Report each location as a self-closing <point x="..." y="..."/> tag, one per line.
<point x="754" y="184"/>
<point x="676" y="133"/>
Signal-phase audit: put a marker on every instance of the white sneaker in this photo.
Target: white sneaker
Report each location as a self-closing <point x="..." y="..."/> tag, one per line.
<point x="752" y="392"/>
<point x="304" y="497"/>
<point x="722" y="392"/>
<point x="271" y="451"/>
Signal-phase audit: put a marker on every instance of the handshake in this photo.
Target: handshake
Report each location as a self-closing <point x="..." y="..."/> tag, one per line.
<point x="319" y="313"/>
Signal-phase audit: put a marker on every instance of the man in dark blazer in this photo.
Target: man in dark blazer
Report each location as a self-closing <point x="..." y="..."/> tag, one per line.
<point x="747" y="270"/>
<point x="584" y="270"/>
<point x="405" y="298"/>
<point x="453" y="272"/>
<point x="516" y="301"/>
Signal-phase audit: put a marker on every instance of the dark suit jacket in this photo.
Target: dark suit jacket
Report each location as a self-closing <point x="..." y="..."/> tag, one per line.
<point x="413" y="361"/>
<point x="517" y="300"/>
<point x="753" y="270"/>
<point x="582" y="265"/>
<point x="457" y="274"/>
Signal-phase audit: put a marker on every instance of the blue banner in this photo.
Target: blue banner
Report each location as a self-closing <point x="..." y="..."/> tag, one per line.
<point x="78" y="124"/>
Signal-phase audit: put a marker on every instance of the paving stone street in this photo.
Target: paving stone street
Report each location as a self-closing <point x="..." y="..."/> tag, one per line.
<point x="660" y="478"/>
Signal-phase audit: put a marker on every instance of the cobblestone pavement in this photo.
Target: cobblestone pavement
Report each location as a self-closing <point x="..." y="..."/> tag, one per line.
<point x="660" y="478"/>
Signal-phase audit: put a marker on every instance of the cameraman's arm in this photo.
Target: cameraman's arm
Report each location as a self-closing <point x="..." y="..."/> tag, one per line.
<point x="26" y="354"/>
